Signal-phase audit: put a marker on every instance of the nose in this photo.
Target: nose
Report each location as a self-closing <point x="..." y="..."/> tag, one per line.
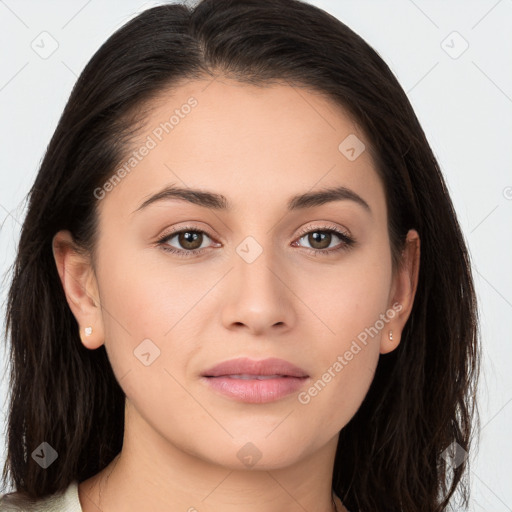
<point x="260" y="300"/>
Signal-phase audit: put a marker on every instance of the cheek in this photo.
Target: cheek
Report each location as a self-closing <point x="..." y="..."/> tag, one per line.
<point x="351" y="301"/>
<point x="347" y="297"/>
<point x="142" y="295"/>
<point x="143" y="309"/>
<point x="334" y="397"/>
<point x="147" y="347"/>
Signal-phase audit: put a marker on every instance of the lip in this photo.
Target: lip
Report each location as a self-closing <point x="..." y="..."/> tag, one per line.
<point x="263" y="381"/>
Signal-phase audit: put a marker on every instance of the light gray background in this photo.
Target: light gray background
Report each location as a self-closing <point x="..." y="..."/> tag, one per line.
<point x="463" y="100"/>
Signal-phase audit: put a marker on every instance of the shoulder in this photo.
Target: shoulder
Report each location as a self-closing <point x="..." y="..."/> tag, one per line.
<point x="66" y="501"/>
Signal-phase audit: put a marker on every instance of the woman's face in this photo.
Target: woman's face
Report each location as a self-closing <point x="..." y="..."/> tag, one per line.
<point x="245" y="281"/>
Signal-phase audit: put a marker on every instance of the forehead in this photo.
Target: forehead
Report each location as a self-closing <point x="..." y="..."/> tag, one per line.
<point x="253" y="144"/>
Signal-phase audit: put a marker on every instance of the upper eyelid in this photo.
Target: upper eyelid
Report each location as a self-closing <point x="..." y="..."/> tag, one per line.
<point x="175" y="232"/>
<point x="326" y="227"/>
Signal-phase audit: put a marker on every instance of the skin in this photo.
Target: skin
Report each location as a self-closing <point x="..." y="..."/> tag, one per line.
<point x="258" y="147"/>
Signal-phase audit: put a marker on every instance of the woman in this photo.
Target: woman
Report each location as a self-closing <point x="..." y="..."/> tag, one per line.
<point x="218" y="301"/>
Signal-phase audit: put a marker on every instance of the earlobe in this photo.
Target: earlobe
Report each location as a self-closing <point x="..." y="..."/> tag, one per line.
<point x="80" y="288"/>
<point x="389" y="342"/>
<point x="403" y="292"/>
<point x="89" y="338"/>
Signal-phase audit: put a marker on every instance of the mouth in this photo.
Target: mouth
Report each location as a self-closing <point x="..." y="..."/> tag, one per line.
<point x="251" y="381"/>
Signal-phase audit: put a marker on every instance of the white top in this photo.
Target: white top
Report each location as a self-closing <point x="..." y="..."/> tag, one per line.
<point x="66" y="501"/>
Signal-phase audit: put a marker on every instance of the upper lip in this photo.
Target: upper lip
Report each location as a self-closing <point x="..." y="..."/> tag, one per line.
<point x="244" y="365"/>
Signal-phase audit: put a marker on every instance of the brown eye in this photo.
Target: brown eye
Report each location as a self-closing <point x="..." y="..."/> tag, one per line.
<point x="319" y="239"/>
<point x="190" y="239"/>
<point x="186" y="241"/>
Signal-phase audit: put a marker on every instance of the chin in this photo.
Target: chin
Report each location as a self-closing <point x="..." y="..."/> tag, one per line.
<point x="258" y="453"/>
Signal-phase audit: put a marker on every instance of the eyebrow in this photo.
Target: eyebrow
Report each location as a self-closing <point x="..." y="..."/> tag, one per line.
<point x="219" y="202"/>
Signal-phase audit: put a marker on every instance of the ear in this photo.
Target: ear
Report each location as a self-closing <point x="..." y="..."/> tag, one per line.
<point x="403" y="291"/>
<point x="80" y="287"/>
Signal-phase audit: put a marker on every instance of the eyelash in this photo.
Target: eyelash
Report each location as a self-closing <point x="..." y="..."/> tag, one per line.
<point x="347" y="241"/>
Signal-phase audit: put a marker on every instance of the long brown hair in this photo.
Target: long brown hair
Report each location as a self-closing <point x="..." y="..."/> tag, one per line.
<point x="392" y="455"/>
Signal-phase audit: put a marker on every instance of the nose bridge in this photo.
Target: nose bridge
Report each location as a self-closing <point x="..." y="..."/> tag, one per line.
<point x="256" y="264"/>
<point x="258" y="258"/>
<point x="258" y="297"/>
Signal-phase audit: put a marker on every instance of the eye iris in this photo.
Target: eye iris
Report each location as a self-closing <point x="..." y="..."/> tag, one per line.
<point x="321" y="237"/>
<point x="188" y="239"/>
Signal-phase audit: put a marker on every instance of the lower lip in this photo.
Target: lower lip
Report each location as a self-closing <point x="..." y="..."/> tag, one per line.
<point x="255" y="391"/>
